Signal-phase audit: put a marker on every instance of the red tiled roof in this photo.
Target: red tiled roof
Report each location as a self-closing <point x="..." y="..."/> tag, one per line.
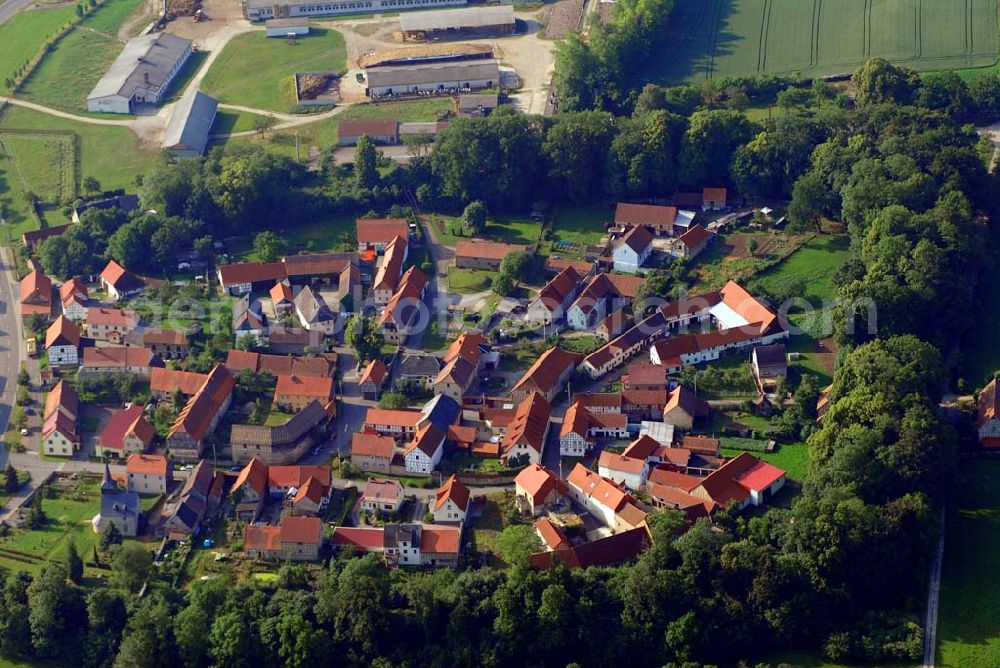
<point x="254" y="476"/>
<point x="114" y="357"/>
<point x="376" y="371"/>
<point x="695" y="236"/>
<point x="99" y="315"/>
<point x="598" y="487"/>
<point x="393" y="418"/>
<point x="484" y="249"/>
<point x="372" y="445"/>
<point x="71" y="286"/>
<point x="308" y="530"/>
<point x="713" y="194"/>
<point x="388" y="274"/>
<point x="467" y="345"/>
<point x="669" y="478"/>
<point x="551" y="535"/>
<point x="576" y="421"/>
<point x="988" y="406"/>
<point x="723" y="486"/>
<point x="546" y="370"/>
<point x="147" y="464"/>
<point x="369" y="539"/>
<point x="454" y="490"/>
<point x="124" y="422"/>
<point x="281" y="292"/>
<point x="644" y="373"/>
<point x="560" y="288"/>
<point x="530" y="424"/>
<point x="702" y="444"/>
<point x="748" y="306"/>
<point x="642" y="448"/>
<point x="62" y="332"/>
<point x="373" y="127"/>
<point x="602" y="552"/>
<point x="166" y="337"/>
<point x="537" y="481"/>
<point x="36" y="287"/>
<point x="251" y="272"/>
<point x="645" y="214"/>
<point x="618" y="462"/>
<point x="760" y="476"/>
<point x="262" y="537"/>
<point x="381" y="230"/>
<point x="440" y="540"/>
<point x="196" y="416"/>
<point x="167" y="380"/>
<point x="638" y="238"/>
<point x="304" y="386"/>
<point x="297" y="475"/>
<point x="62" y="396"/>
<point x="382" y="490"/>
<point x="688" y="401"/>
<point x="313" y="491"/>
<point x="557" y="264"/>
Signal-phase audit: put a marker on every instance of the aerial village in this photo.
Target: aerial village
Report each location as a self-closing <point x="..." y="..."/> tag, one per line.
<point x="583" y="446"/>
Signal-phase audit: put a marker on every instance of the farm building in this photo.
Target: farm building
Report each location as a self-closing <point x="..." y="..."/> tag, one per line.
<point x="381" y="131"/>
<point x="187" y="132"/>
<point x="432" y="77"/>
<point x="259" y="10"/>
<point x="458" y="23"/>
<point x="292" y="27"/>
<point x="483" y="254"/>
<point x="477" y="104"/>
<point x="141" y="73"/>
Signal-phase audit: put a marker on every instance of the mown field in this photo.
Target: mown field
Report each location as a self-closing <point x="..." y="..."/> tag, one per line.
<point x="968" y="623"/>
<point x="71" y="69"/>
<point x="23" y="36"/>
<point x="113" y="14"/>
<point x="256" y="71"/>
<point x="810" y="268"/>
<point x="718" y="38"/>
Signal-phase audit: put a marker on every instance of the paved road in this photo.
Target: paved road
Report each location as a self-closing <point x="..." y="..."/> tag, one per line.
<point x="11" y="7"/>
<point x="933" y="600"/>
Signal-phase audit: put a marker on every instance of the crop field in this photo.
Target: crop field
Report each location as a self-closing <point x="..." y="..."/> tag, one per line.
<point x="719" y="38"/>
<point x="256" y="71"/>
<point x="70" y="70"/>
<point x="22" y="37"/>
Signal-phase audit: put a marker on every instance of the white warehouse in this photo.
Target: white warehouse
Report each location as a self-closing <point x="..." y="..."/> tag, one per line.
<point x="435" y="76"/>
<point x="141" y="73"/>
<point x="259" y="10"/>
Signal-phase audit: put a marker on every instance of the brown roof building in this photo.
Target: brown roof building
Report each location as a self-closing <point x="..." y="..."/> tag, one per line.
<point x="484" y="254"/>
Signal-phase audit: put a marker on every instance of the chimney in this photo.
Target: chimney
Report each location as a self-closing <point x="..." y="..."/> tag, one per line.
<point x="145" y="77"/>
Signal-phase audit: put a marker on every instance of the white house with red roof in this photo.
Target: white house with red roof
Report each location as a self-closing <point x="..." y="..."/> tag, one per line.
<point x="743" y="480"/>
<point x="120" y="282"/>
<point x="633" y="250"/>
<point x="149" y="474"/>
<point x="382" y="496"/>
<point x="62" y="342"/>
<point x="537" y="487"/>
<point x="631" y="471"/>
<point x="125" y="432"/>
<point x="451" y="503"/>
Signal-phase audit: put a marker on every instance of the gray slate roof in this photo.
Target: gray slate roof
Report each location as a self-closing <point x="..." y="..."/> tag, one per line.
<point x="191" y="122"/>
<point x="430" y="73"/>
<point x="472" y="17"/>
<point x="119" y="505"/>
<point x="419" y="365"/>
<point x="155" y="55"/>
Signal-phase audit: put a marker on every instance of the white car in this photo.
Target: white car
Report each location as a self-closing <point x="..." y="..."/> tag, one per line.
<point x="24" y="432"/>
<point x="183" y="265"/>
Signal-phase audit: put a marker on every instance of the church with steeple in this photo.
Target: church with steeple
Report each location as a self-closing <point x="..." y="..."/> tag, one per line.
<point x="118" y="507"/>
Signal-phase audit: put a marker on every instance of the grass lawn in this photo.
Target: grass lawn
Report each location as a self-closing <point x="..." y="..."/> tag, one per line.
<point x="720" y="38"/>
<point x="968" y="626"/>
<point x="448" y="230"/>
<point x="469" y="281"/>
<point x="729" y="258"/>
<point x="23" y="35"/>
<point x="337" y="233"/>
<point x="582" y="226"/>
<point x="486" y="529"/>
<point x="108" y="153"/>
<point x="70" y="70"/>
<point x="228" y="122"/>
<point x="812" y="267"/>
<point x="256" y="71"/>
<point x="584" y="345"/>
<point x="111" y="15"/>
<point x="792" y="457"/>
<point x="69" y="520"/>
<point x="43" y="164"/>
<point x="323" y="133"/>
<point x="276" y="419"/>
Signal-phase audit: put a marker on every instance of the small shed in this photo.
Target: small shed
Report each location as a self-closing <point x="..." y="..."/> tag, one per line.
<point x="290" y="27"/>
<point x="477" y="104"/>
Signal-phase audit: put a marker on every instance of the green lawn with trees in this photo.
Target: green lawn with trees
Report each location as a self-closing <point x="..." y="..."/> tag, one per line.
<point x="24" y="35"/>
<point x="256" y="71"/>
<point x="808" y="272"/>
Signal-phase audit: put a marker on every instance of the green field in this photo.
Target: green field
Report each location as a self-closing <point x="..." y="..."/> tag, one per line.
<point x="448" y="230"/>
<point x="581" y="226"/>
<point x="469" y="281"/>
<point x="112" y="15"/>
<point x="24" y="35"/>
<point x="792" y="457"/>
<point x="718" y="38"/>
<point x="108" y="153"/>
<point x="323" y="133"/>
<point x="810" y="268"/>
<point x="69" y="520"/>
<point x="70" y="70"/>
<point x="43" y="164"/>
<point x="256" y="71"/>
<point x="968" y="623"/>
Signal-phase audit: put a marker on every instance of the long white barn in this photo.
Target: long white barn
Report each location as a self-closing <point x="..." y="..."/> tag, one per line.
<point x="259" y="10"/>
<point x="141" y="73"/>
